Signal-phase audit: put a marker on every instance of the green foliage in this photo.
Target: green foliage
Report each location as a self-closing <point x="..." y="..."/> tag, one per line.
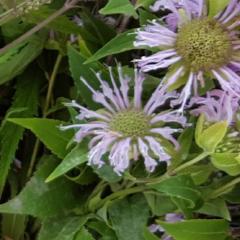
<point x="77" y="156"/>
<point x="67" y="198"/>
<point x="64" y="228"/>
<point x="209" y="138"/>
<point x="121" y="43"/>
<point x="79" y="69"/>
<point x="42" y="199"/>
<point x="227" y="162"/>
<point x="119" y="6"/>
<point x="24" y="104"/>
<point x="183" y="188"/>
<point x="201" y="229"/>
<point x="129" y="217"/>
<point x="13" y="62"/>
<point x="48" y="131"/>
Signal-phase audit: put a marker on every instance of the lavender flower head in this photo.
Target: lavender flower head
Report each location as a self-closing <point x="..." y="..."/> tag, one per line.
<point x="217" y="106"/>
<point x="194" y="44"/>
<point x="125" y="129"/>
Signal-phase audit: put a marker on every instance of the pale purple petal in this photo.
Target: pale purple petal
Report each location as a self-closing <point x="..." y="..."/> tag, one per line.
<point x="149" y="162"/>
<point x="167" y="132"/>
<point x="157" y="149"/>
<point x="119" y="155"/>
<point x="138" y="87"/>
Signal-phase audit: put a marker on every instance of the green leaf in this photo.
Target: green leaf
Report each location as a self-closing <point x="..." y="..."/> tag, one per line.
<point x="61" y="24"/>
<point x="77" y="156"/>
<point x="145" y="17"/>
<point x="107" y="174"/>
<point x="100" y="30"/>
<point x="47" y="130"/>
<point x="144" y="3"/>
<point x="121" y="43"/>
<point x="157" y="209"/>
<point x="83" y="234"/>
<point x="227" y="162"/>
<point x="217" y="208"/>
<point x="64" y="228"/>
<point x="215" y="6"/>
<point x="16" y="59"/>
<point x="199" y="173"/>
<point x="148" y="235"/>
<point x="78" y="69"/>
<point x="129" y="217"/>
<point x="209" y="138"/>
<point x="40" y="199"/>
<point x="200" y="229"/>
<point x="103" y="229"/>
<point x="119" y="7"/>
<point x="181" y="187"/>
<point x="25" y="104"/>
<point x="185" y="140"/>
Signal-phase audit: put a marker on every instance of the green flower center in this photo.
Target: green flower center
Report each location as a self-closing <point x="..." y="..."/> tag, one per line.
<point x="204" y="44"/>
<point x="130" y="123"/>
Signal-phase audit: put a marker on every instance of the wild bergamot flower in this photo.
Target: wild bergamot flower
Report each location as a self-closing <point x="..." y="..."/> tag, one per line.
<point x="195" y="45"/>
<point x="217" y="106"/>
<point x="124" y="129"/>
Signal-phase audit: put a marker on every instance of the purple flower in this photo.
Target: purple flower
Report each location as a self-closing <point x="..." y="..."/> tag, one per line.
<point x="194" y="45"/>
<point x="124" y="128"/>
<point x="216" y="106"/>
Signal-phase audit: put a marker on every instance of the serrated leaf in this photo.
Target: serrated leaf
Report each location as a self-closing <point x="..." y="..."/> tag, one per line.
<point x="181" y="187"/>
<point x="83" y="234"/>
<point x="16" y="59"/>
<point x="24" y="105"/>
<point x="40" y="199"/>
<point x="129" y="217"/>
<point x="76" y="157"/>
<point x="216" y="7"/>
<point x="64" y="228"/>
<point x="119" y="7"/>
<point x="199" y="229"/>
<point x="47" y="130"/>
<point x="121" y="43"/>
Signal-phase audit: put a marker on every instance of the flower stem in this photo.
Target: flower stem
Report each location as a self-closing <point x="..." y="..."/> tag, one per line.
<point x="51" y="83"/>
<point x="121" y="194"/>
<point x="225" y="188"/>
<point x="47" y="103"/>
<point x="189" y="163"/>
<point x="180" y="168"/>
